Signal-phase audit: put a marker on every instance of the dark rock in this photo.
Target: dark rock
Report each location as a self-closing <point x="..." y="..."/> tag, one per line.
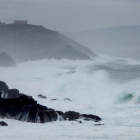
<point x="3" y="86"/>
<point x="60" y="113"/>
<point x="50" y="109"/>
<point x="67" y="99"/>
<point x="79" y="122"/>
<point x="21" y="107"/>
<point x="53" y="99"/>
<point x="42" y="108"/>
<point x="12" y="93"/>
<point x="3" y="123"/>
<point x="71" y="115"/>
<point x="42" y="96"/>
<point x="23" y="96"/>
<point x="47" y="116"/>
<point x="98" y="124"/>
<point x="90" y="117"/>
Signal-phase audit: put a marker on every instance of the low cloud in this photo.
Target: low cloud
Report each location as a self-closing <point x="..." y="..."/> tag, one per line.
<point x="72" y="15"/>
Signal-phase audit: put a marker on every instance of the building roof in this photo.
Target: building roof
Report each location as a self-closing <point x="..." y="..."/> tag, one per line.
<point x="20" y="21"/>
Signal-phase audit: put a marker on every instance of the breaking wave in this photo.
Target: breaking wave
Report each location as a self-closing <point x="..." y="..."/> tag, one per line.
<point x="90" y="82"/>
<point x="101" y="83"/>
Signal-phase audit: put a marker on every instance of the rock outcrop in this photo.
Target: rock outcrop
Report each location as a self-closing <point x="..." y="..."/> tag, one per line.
<point x="42" y="96"/>
<point x="3" y="123"/>
<point x="15" y="105"/>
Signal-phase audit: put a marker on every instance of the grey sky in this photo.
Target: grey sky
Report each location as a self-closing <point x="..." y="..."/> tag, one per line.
<point x="72" y="15"/>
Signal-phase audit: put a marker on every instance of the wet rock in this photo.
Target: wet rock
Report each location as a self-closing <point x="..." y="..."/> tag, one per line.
<point x="79" y="122"/>
<point x="23" y="96"/>
<point x="42" y="96"/>
<point x="98" y="124"/>
<point x="71" y="115"/>
<point x="13" y="93"/>
<point x="3" y="123"/>
<point x="67" y="99"/>
<point x="90" y="117"/>
<point x="60" y="113"/>
<point x="3" y="86"/>
<point x="18" y="106"/>
<point x="47" y="116"/>
<point x="53" y="99"/>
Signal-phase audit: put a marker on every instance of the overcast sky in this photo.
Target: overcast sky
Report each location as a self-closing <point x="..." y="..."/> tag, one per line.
<point x="72" y="15"/>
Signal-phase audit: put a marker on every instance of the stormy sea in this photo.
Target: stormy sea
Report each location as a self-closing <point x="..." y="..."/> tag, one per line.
<point x="105" y="86"/>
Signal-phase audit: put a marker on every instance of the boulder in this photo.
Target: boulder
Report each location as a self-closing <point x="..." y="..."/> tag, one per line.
<point x="12" y="93"/>
<point x="3" y="86"/>
<point x="60" y="113"/>
<point x="90" y="117"/>
<point x="98" y="124"/>
<point x="42" y="96"/>
<point x="3" y="123"/>
<point x="71" y="115"/>
<point x="53" y="99"/>
<point x="67" y="99"/>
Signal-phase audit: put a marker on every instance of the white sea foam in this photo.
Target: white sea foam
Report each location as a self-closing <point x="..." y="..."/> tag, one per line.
<point x="106" y="87"/>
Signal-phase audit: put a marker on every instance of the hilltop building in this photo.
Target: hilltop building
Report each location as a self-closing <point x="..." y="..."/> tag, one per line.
<point x="20" y="22"/>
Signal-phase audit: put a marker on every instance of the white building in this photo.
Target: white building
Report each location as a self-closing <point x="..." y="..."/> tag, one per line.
<point x="20" y="21"/>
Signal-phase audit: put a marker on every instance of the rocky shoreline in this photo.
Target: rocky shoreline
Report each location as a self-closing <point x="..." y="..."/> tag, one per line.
<point x="18" y="106"/>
